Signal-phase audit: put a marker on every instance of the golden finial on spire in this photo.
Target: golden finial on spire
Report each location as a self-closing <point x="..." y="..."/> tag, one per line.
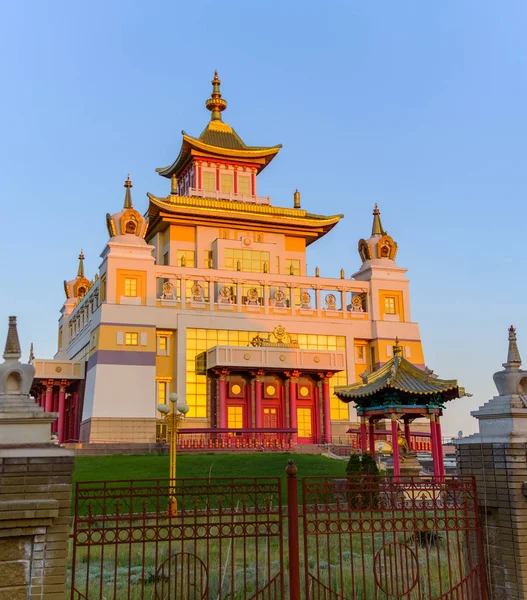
<point x="296" y="199"/>
<point x="128" y="193"/>
<point x="80" y="270"/>
<point x="397" y="350"/>
<point x="377" y="225"/>
<point x="215" y="103"/>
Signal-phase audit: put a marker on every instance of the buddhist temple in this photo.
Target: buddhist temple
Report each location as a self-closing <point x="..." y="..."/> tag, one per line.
<point x="204" y="291"/>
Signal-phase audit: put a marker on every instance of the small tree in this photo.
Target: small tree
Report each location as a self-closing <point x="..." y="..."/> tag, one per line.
<point x="354" y="466"/>
<point x="370" y="471"/>
<point x="354" y="472"/>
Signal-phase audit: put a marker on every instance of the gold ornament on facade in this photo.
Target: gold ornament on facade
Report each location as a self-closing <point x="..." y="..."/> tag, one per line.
<point x="304" y="391"/>
<point x="168" y="290"/>
<point x="331" y="301"/>
<point x="253" y="294"/>
<point x="247" y="356"/>
<point x="280" y="333"/>
<point x="282" y="357"/>
<point x="386" y="247"/>
<point x="317" y="359"/>
<point x="364" y="250"/>
<point x="305" y="300"/>
<point x="225" y="293"/>
<point x="197" y="292"/>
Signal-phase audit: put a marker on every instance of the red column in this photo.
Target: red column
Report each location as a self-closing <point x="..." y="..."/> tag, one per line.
<point x="235" y="180"/>
<point x="258" y="400"/>
<point x="76" y="416"/>
<point x="326" y="407"/>
<point x="253" y="184"/>
<point x="372" y="437"/>
<point x="222" y="398"/>
<point x="433" y="440"/>
<point x="218" y="179"/>
<point x="395" y="448"/>
<point x="440" y="446"/>
<point x="49" y="396"/>
<point x="62" y="410"/>
<point x="293" y="420"/>
<point x="407" y="434"/>
<point x="198" y="185"/>
<point x="363" y="435"/>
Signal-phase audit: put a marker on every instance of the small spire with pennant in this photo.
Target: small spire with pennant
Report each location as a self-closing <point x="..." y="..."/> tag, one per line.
<point x="514" y="360"/>
<point x="215" y="103"/>
<point x="80" y="270"/>
<point x="377" y="225"/>
<point x="31" y="354"/>
<point x="397" y="349"/>
<point x="128" y="193"/>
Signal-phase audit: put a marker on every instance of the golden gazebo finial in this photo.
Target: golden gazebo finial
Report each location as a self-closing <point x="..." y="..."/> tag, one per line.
<point x="397" y="350"/>
<point x="128" y="193"/>
<point x="80" y="270"/>
<point x="215" y="103"/>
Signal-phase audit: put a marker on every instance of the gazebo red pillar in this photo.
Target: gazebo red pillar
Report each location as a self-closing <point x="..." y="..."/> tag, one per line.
<point x="440" y="446"/>
<point x="49" y="396"/>
<point x="372" y="437"/>
<point x="395" y="447"/>
<point x="363" y="435"/>
<point x="433" y="440"/>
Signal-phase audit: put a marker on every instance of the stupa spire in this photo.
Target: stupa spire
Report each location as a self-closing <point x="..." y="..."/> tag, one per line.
<point x="514" y="360"/>
<point x="80" y="270"/>
<point x="128" y="193"/>
<point x="215" y="103"/>
<point x="12" y="344"/>
<point x="377" y="225"/>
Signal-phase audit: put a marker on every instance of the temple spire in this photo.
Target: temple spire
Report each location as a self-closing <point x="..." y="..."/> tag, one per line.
<point x="128" y="193"/>
<point x="80" y="270"/>
<point x="397" y="350"/>
<point x="514" y="360"/>
<point x="377" y="225"/>
<point x="12" y="345"/>
<point x="215" y="103"/>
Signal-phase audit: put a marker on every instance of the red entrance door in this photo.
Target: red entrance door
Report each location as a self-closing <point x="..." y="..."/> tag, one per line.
<point x="270" y="418"/>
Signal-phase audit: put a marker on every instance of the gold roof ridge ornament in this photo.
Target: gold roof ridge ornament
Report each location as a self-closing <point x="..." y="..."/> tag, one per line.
<point x="128" y="194"/>
<point x="215" y="103"/>
<point x="283" y="339"/>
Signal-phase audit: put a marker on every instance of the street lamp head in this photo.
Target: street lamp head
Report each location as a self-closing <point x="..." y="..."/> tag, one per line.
<point x="173" y="397"/>
<point x="163" y="408"/>
<point x="183" y="408"/>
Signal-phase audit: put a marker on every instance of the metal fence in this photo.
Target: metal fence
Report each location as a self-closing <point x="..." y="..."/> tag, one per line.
<point x="355" y="538"/>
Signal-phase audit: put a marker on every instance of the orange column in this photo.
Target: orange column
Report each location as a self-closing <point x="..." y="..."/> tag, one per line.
<point x="326" y="401"/>
<point x="372" y="437"/>
<point x="363" y="435"/>
<point x="49" y="396"/>
<point x="293" y="417"/>
<point x="222" y="399"/>
<point x="258" y="398"/>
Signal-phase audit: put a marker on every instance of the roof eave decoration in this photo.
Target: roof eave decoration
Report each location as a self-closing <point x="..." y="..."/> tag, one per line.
<point x="364" y="250"/>
<point x="401" y="375"/>
<point x="191" y="143"/>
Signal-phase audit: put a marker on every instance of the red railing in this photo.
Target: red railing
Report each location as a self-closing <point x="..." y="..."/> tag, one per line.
<point x="418" y="442"/>
<point x="235" y="439"/>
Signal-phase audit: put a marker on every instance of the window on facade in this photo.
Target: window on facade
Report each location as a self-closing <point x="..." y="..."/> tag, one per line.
<point x="250" y="261"/>
<point x="244" y="184"/>
<point x="163" y="345"/>
<point x="292" y="266"/>
<point x="304" y="422"/>
<point x="209" y="181"/>
<point x="207" y="259"/>
<point x="235" y="417"/>
<point x="359" y="354"/>
<point x="186" y="258"/>
<point x="166" y="259"/>
<point x="130" y="287"/>
<point x="102" y="289"/>
<point x="162" y="392"/>
<point x="131" y="339"/>
<point x="227" y="183"/>
<point x="389" y="305"/>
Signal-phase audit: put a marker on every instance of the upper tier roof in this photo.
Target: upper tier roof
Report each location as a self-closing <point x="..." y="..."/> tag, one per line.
<point x="219" y="140"/>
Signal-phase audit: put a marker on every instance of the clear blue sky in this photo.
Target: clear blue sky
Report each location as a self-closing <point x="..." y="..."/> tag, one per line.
<point x="419" y="106"/>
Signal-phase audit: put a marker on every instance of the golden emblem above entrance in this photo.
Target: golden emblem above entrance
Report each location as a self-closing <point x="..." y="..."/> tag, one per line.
<point x="278" y="339"/>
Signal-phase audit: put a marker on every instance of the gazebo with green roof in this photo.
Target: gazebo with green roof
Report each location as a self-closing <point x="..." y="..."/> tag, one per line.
<point x="400" y="391"/>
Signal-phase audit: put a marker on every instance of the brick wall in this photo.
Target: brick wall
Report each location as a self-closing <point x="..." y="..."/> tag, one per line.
<point x="501" y="473"/>
<point x="35" y="520"/>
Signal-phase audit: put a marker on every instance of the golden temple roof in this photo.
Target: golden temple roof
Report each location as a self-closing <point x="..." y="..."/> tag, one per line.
<point x="309" y="225"/>
<point x="219" y="139"/>
<point x="400" y="374"/>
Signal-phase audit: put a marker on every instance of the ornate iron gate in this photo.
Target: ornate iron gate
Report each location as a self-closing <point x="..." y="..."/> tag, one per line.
<point x="377" y="537"/>
<point x="224" y="542"/>
<point x="363" y="539"/>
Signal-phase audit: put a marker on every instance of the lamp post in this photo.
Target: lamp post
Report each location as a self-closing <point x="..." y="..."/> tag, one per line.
<point x="173" y="415"/>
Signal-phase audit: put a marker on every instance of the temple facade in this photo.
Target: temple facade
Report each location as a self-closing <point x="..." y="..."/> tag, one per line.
<point x="206" y="294"/>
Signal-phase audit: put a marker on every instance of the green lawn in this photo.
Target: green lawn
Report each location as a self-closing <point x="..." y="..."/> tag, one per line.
<point x="100" y="468"/>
